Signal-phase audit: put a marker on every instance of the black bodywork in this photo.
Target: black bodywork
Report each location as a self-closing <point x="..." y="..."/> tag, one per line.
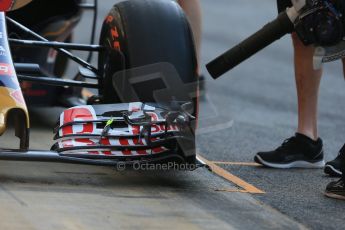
<point x="55" y="21"/>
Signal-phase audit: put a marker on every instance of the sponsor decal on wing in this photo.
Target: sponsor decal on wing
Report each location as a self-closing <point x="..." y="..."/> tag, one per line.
<point x="99" y="145"/>
<point x="79" y="113"/>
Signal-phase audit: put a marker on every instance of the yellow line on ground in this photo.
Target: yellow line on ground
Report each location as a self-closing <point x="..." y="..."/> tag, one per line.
<point x="230" y="177"/>
<point x="231" y="190"/>
<point x="236" y="163"/>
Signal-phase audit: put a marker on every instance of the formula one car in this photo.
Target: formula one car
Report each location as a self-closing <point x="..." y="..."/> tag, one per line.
<point x="145" y="108"/>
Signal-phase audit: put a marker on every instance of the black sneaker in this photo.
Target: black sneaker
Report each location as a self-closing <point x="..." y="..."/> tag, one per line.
<point x="336" y="189"/>
<point x="296" y="152"/>
<point x="332" y="168"/>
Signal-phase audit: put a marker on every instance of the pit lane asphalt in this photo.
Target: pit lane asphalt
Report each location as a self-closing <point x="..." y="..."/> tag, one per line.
<point x="62" y="196"/>
<point x="257" y="100"/>
<point x="260" y="98"/>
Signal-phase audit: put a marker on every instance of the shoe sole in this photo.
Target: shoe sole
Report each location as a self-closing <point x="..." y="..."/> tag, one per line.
<point x="330" y="170"/>
<point x="295" y="164"/>
<point x="334" y="196"/>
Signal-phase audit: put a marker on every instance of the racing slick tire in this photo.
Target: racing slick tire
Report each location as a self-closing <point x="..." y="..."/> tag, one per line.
<point x="142" y="33"/>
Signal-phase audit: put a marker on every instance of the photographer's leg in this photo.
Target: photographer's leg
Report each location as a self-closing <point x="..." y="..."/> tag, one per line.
<point x="336" y="189"/>
<point x="307" y="84"/>
<point x="336" y="167"/>
<point x="192" y="9"/>
<point x="304" y="149"/>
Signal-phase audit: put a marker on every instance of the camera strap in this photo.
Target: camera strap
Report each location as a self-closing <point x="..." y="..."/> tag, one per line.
<point x="328" y="54"/>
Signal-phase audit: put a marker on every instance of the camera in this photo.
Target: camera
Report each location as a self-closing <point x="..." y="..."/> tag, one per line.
<point x="317" y="22"/>
<point x="320" y="23"/>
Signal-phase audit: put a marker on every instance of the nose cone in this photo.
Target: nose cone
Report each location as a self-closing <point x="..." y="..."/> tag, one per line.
<point x="10" y="99"/>
<point x="7" y="102"/>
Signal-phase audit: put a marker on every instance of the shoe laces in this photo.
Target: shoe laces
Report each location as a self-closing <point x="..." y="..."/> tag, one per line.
<point x="287" y="143"/>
